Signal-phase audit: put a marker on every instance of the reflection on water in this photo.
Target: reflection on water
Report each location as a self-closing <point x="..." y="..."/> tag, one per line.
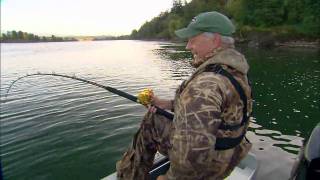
<point x="55" y="128"/>
<point x="179" y="60"/>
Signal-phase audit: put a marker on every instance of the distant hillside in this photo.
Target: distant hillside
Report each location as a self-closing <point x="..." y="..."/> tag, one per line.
<point x="286" y="19"/>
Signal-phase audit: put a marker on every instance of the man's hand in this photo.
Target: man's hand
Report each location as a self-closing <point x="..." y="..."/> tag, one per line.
<point x="158" y="102"/>
<point x="152" y="109"/>
<point x="161" y="177"/>
<point x="161" y="103"/>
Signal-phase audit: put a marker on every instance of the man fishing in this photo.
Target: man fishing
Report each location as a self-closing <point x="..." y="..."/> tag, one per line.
<point x="206" y="139"/>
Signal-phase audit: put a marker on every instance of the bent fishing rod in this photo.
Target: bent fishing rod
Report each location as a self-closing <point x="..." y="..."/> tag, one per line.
<point x="108" y="88"/>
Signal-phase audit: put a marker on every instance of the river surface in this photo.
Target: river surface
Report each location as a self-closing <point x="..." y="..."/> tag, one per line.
<point x="57" y="128"/>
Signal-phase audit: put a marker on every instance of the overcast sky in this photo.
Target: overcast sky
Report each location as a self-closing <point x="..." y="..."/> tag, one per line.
<point x="79" y="17"/>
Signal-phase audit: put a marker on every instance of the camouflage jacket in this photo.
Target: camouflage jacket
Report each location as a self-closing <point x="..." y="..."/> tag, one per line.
<point x="201" y="104"/>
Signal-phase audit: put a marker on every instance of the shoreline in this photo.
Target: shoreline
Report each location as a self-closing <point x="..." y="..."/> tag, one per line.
<point x="18" y="41"/>
<point x="272" y="43"/>
<point x="299" y="44"/>
<point x="257" y="43"/>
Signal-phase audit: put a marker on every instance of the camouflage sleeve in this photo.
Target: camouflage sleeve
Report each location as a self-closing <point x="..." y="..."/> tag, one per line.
<point x="196" y="125"/>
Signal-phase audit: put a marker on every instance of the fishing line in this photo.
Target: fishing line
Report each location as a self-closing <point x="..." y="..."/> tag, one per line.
<point x="108" y="88"/>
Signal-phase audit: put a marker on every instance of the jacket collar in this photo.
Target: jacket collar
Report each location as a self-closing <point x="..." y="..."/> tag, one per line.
<point x="229" y="57"/>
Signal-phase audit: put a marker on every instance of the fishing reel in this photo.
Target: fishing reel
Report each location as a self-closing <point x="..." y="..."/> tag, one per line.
<point x="145" y="97"/>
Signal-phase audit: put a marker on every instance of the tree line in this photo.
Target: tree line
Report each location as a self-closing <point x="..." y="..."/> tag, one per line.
<point x="103" y="38"/>
<point x="282" y="18"/>
<point x="19" y="36"/>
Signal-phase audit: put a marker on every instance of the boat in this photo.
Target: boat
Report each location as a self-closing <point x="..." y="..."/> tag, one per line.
<point x="246" y="170"/>
<point x="307" y="164"/>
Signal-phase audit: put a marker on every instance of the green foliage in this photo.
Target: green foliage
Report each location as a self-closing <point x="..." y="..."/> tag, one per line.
<point x="236" y="9"/>
<point x="175" y="22"/>
<point x="177" y="7"/>
<point x="3" y="37"/>
<point x="20" y="35"/>
<point x="279" y="17"/>
<point x="293" y="11"/>
<point x="264" y="13"/>
<point x="134" y="34"/>
<point x="164" y="25"/>
<point x="14" y="36"/>
<point x="311" y="20"/>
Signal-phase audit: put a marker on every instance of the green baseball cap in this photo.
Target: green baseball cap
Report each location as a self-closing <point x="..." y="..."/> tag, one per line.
<point x="207" y="22"/>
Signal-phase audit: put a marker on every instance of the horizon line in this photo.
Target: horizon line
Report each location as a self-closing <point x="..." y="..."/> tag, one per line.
<point x="61" y="35"/>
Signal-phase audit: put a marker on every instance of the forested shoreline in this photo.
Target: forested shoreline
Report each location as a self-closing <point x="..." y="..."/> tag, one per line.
<point x="258" y="23"/>
<point x="281" y="20"/>
<point x="20" y="36"/>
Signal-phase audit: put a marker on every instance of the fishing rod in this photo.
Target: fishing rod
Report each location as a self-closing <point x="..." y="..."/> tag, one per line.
<point x="141" y="99"/>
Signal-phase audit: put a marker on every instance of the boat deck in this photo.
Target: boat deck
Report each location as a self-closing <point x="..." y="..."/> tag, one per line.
<point x="244" y="171"/>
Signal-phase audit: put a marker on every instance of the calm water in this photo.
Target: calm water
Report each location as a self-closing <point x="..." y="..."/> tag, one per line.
<point x="55" y="128"/>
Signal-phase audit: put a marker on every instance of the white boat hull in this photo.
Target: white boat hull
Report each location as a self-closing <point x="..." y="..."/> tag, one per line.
<point x="246" y="170"/>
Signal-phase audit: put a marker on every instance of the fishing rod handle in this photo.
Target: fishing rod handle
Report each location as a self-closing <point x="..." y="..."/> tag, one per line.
<point x="164" y="113"/>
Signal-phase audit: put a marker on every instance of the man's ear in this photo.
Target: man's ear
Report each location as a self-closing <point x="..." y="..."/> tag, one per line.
<point x="216" y="40"/>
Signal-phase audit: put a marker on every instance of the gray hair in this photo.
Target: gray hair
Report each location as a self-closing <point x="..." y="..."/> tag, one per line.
<point x="226" y="40"/>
